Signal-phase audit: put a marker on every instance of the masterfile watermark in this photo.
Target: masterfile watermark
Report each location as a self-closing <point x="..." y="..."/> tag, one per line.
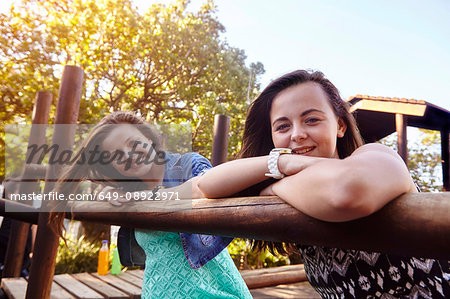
<point x="96" y="156"/>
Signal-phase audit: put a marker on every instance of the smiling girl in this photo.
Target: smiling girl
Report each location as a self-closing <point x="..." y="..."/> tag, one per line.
<point x="300" y="132"/>
<point x="176" y="265"/>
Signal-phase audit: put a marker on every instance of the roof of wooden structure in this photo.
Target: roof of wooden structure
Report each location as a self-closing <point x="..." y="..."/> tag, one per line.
<point x="376" y="115"/>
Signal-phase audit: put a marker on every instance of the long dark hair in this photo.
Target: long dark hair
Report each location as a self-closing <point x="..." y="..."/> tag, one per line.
<point x="257" y="139"/>
<point x="105" y="174"/>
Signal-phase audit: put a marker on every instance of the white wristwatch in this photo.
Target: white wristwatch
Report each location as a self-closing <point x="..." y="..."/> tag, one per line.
<point x="272" y="162"/>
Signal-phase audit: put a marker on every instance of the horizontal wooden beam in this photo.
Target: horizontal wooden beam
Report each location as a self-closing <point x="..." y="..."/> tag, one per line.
<point x="390" y="107"/>
<point x="412" y="225"/>
<point x="269" y="277"/>
<point x="27" y="213"/>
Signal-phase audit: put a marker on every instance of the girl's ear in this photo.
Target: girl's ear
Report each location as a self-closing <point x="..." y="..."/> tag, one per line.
<point x="342" y="127"/>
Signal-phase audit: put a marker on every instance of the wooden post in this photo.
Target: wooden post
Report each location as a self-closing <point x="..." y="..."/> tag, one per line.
<point x="402" y="141"/>
<point x="44" y="257"/>
<point x="19" y="230"/>
<point x="220" y="139"/>
<point x="445" y="149"/>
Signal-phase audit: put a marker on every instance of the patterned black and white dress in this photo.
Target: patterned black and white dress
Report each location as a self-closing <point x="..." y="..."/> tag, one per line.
<point x="341" y="273"/>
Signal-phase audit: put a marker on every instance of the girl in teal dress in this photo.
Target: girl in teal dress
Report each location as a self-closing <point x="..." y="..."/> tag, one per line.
<point x="176" y="265"/>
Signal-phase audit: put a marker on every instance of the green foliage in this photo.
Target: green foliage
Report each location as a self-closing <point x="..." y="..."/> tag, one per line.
<point x="240" y="248"/>
<point x="16" y="136"/>
<point x="424" y="159"/>
<point x="78" y="256"/>
<point x="425" y="162"/>
<point x="169" y="64"/>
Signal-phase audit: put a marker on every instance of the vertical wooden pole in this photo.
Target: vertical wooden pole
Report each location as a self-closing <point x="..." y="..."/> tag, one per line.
<point x="19" y="230"/>
<point x="445" y="151"/>
<point x="220" y="139"/>
<point x="402" y="141"/>
<point x="44" y="256"/>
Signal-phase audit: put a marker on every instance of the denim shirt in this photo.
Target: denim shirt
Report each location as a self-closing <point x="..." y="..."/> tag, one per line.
<point x="198" y="249"/>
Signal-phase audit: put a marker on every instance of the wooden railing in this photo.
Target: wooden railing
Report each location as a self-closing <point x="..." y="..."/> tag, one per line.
<point x="411" y="225"/>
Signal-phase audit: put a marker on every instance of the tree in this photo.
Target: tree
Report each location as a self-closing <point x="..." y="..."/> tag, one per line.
<point x="168" y="63"/>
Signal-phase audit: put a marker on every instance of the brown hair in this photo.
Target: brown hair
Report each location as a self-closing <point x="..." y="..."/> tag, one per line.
<point x="257" y="139"/>
<point x="72" y="176"/>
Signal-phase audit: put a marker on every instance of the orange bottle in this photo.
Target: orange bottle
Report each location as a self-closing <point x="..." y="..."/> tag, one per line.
<point x="103" y="259"/>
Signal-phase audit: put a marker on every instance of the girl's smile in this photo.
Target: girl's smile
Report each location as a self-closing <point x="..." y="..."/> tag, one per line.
<point x="304" y="150"/>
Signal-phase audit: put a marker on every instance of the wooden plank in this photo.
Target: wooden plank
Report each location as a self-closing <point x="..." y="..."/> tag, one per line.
<point x="76" y="288"/>
<point x="272" y="279"/>
<point x="412" y="225"/>
<point x="415" y="224"/>
<point x="137" y="281"/>
<point x="129" y="288"/>
<point x="390" y="107"/>
<point x="301" y="290"/>
<point x="100" y="286"/>
<point x="57" y="292"/>
<point x="15" y="288"/>
<point x="28" y="214"/>
<point x="137" y="273"/>
<point x="273" y="270"/>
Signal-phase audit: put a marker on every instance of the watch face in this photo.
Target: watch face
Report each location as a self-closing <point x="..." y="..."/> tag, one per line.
<point x="285" y="151"/>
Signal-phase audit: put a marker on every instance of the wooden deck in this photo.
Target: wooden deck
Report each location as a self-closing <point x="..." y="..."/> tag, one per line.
<point x="298" y="290"/>
<point x="128" y="285"/>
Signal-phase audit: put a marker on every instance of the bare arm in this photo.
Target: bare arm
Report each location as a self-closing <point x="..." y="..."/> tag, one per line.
<point x="234" y="176"/>
<point x="342" y="190"/>
<point x="187" y="190"/>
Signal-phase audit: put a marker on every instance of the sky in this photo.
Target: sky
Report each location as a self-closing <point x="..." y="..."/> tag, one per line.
<point x="383" y="48"/>
<point x="380" y="48"/>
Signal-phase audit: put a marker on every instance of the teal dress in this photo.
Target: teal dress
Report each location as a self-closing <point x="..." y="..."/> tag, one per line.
<point x="168" y="274"/>
<point x="174" y="268"/>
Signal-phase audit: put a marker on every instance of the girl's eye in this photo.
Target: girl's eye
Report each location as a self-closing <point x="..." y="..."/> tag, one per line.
<point x="312" y="120"/>
<point x="281" y="127"/>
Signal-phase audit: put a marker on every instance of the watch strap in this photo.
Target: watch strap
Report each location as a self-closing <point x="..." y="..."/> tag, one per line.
<point x="272" y="162"/>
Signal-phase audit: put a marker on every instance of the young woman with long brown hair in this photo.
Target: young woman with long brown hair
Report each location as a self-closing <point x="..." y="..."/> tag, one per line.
<point x="300" y="133"/>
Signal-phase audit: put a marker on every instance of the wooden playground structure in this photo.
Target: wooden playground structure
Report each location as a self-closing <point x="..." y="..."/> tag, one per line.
<point x="413" y="224"/>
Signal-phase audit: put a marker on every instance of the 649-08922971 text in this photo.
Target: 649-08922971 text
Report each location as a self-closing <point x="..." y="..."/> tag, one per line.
<point x="97" y="196"/>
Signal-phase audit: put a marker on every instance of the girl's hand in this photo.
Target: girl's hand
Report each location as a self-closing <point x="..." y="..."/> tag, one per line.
<point x="292" y="164"/>
<point x="188" y="190"/>
<point x="268" y="191"/>
<point x="196" y="193"/>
